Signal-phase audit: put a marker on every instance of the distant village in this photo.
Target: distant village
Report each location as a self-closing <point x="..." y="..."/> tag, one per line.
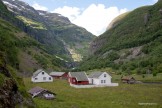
<point x="75" y="79"/>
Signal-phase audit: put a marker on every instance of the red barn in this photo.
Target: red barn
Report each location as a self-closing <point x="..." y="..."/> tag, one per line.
<point x="78" y="78"/>
<point x="59" y="75"/>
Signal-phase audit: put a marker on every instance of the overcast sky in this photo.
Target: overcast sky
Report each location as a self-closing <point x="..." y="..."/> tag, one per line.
<point x="93" y="15"/>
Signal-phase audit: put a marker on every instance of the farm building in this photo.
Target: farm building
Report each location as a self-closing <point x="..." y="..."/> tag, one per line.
<point x="78" y="78"/>
<point x="128" y="79"/>
<point x="42" y="93"/>
<point x="99" y="78"/>
<point x="41" y="76"/>
<point x="59" y="75"/>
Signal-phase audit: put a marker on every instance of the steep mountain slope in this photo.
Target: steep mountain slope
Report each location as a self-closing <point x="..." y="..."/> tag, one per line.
<point x="12" y="90"/>
<point x="21" y="51"/>
<point x="133" y="44"/>
<point x="56" y="32"/>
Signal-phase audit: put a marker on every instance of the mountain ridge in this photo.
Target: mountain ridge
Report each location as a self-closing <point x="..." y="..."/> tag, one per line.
<point x="51" y="29"/>
<point x="132" y="45"/>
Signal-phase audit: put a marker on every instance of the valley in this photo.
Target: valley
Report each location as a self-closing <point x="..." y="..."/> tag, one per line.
<point x="32" y="39"/>
<point x="123" y="96"/>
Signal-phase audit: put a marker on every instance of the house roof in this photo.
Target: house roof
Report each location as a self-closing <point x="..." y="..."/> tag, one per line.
<point x="37" y="72"/>
<point x="80" y="76"/>
<point x="127" y="78"/>
<point x="57" y="73"/>
<point x="37" y="90"/>
<point x="95" y="74"/>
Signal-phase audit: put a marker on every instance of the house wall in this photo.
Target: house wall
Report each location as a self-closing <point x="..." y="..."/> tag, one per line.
<point x="82" y="82"/>
<point x="56" y="77"/>
<point x="72" y="80"/>
<point x="65" y="75"/>
<point x="42" y="77"/>
<point x="102" y="80"/>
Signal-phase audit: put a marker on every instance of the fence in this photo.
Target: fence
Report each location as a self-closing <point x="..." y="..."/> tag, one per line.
<point x="92" y="86"/>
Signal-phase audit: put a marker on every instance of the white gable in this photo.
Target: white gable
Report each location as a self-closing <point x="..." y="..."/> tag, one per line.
<point x="103" y="79"/>
<point x="41" y="76"/>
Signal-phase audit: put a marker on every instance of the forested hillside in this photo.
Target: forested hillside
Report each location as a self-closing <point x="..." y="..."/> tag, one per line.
<point x="132" y="43"/>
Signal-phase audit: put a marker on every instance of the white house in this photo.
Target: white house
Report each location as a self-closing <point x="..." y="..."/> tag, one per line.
<point x="99" y="78"/>
<point x="41" y="76"/>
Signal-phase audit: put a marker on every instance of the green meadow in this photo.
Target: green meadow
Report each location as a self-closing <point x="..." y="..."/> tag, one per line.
<point x="123" y="96"/>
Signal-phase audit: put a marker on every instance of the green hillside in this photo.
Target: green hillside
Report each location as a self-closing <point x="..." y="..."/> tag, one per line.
<point x="132" y="45"/>
<point x="12" y="89"/>
<point x="23" y="52"/>
<point x="20" y="55"/>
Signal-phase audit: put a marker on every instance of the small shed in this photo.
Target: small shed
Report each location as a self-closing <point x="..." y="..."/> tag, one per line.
<point x="59" y="75"/>
<point x="78" y="78"/>
<point x="42" y="93"/>
<point x="128" y="79"/>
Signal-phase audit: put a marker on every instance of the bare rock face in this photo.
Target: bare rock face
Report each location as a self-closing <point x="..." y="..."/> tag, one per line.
<point x="160" y="11"/>
<point x="161" y="14"/>
<point x="95" y="45"/>
<point x="161" y="22"/>
<point x="146" y="18"/>
<point x="10" y="95"/>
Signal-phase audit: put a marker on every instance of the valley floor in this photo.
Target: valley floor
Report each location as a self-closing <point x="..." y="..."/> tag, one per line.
<point x="123" y="96"/>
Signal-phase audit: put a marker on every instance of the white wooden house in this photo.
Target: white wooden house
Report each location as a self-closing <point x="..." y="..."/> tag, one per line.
<point x="99" y="78"/>
<point x="41" y="76"/>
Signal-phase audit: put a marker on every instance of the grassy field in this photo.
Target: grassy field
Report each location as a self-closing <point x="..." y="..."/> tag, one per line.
<point x="123" y="96"/>
<point x="143" y="78"/>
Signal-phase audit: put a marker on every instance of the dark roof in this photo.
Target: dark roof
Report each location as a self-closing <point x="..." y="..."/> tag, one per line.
<point x="37" y="72"/>
<point x="57" y="73"/>
<point x="127" y="78"/>
<point x="36" y="90"/>
<point x="95" y="74"/>
<point x="80" y="76"/>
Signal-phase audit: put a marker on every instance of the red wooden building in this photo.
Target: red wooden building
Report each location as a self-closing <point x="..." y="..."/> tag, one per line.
<point x="59" y="75"/>
<point x="78" y="78"/>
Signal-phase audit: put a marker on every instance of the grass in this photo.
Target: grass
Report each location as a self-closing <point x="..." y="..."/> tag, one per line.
<point x="123" y="96"/>
<point x="146" y="78"/>
<point x="32" y="23"/>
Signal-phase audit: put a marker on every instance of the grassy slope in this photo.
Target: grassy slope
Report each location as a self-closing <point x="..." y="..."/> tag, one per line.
<point x="21" y="51"/>
<point x="131" y="32"/>
<point x="14" y="44"/>
<point x="124" y="96"/>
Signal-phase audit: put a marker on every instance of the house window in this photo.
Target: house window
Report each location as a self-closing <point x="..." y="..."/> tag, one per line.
<point x="101" y="81"/>
<point x="104" y="75"/>
<point x="42" y="73"/>
<point x="104" y="81"/>
<point x="44" y="78"/>
<point x="36" y="78"/>
<point x="73" y="80"/>
<point x="49" y="78"/>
